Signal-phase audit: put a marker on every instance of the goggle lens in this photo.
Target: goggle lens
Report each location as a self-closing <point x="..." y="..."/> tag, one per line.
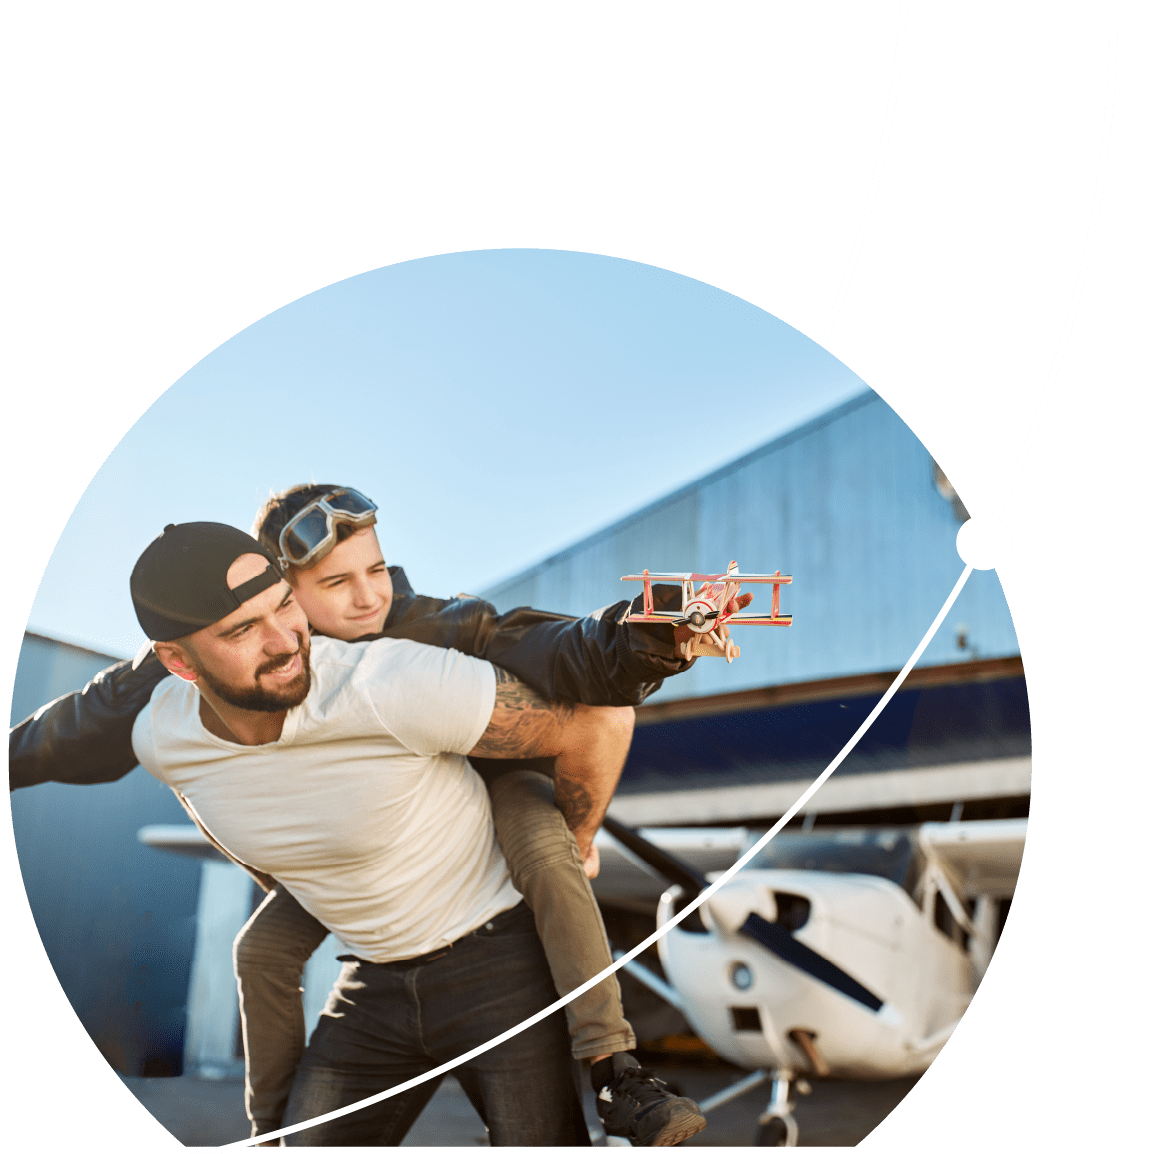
<point x="351" y="503"/>
<point x="305" y="535"/>
<point x="312" y="536"/>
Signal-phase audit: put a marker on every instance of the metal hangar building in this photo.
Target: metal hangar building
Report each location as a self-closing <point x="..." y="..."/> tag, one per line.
<point x="853" y="506"/>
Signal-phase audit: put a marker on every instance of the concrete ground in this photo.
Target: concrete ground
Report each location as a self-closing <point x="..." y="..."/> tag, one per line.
<point x="204" y="1113"/>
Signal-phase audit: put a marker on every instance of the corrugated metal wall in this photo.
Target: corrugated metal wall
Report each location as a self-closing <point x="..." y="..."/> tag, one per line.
<point x="848" y="505"/>
<point x="117" y="918"/>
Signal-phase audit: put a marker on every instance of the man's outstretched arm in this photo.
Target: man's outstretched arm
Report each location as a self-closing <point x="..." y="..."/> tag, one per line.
<point x="589" y="744"/>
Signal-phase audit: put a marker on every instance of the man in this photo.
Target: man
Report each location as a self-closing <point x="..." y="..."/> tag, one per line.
<point x="596" y="659"/>
<point x="339" y="769"/>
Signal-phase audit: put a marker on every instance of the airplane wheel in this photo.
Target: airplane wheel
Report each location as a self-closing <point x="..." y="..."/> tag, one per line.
<point x="777" y="1132"/>
<point x="772" y="1133"/>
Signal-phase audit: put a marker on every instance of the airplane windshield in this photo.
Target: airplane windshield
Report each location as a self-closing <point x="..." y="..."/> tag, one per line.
<point x="883" y="853"/>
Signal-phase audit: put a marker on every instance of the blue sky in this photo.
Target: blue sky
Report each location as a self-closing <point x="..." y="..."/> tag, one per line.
<point x="497" y="405"/>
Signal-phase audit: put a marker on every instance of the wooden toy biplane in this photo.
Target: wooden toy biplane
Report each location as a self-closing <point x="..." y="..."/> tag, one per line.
<point x="707" y="610"/>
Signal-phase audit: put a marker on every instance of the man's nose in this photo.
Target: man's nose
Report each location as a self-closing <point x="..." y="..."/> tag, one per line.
<point x="280" y="638"/>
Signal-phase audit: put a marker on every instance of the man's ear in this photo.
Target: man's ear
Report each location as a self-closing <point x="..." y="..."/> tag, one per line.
<point x="176" y="659"/>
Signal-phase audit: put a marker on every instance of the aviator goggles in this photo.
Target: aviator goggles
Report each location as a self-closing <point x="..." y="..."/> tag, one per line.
<point x="311" y="534"/>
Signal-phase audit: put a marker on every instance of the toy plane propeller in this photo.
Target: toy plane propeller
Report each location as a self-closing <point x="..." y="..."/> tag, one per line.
<point x="706" y="609"/>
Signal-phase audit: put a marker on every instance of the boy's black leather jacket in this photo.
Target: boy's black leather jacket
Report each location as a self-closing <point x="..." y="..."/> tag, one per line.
<point x="84" y="738"/>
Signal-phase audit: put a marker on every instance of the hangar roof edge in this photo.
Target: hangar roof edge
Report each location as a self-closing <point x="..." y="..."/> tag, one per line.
<point x="869" y="396"/>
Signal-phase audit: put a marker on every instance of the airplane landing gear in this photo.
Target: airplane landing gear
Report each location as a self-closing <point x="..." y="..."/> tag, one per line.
<point x="777" y="1127"/>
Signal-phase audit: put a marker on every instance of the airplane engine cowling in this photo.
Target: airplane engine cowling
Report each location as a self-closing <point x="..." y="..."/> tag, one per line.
<point x="729" y="908"/>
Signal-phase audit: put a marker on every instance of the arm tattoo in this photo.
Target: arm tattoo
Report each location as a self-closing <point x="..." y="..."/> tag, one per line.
<point x="513" y="693"/>
<point x="523" y="724"/>
<point x="574" y="801"/>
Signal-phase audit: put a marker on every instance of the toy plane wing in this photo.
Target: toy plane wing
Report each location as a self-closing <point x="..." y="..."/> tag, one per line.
<point x="760" y="619"/>
<point x="735" y="578"/>
<point x="665" y="577"/>
<point x="735" y="619"/>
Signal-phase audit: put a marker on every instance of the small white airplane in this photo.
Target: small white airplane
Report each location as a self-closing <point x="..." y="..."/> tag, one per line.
<point x="849" y="953"/>
<point x="708" y="610"/>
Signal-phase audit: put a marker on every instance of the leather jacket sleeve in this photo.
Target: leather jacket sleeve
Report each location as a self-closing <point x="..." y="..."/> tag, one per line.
<point x="85" y="738"/>
<point x="596" y="660"/>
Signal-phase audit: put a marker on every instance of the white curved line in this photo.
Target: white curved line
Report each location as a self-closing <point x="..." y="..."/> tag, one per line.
<point x="696" y="902"/>
<point x="894" y="89"/>
<point x="866" y="725"/>
<point x="1085" y="257"/>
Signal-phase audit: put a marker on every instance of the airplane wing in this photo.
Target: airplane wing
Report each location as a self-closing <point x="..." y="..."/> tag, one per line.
<point x="184" y="838"/>
<point x="626" y="880"/>
<point x="983" y="856"/>
<point x="659" y="615"/>
<point x="666" y="577"/>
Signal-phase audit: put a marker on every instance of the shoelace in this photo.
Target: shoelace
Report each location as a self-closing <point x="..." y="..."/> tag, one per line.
<point x="641" y="1084"/>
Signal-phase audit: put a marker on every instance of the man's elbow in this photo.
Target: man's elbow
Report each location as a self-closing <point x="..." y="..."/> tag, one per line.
<point x="622" y="721"/>
<point x="607" y="724"/>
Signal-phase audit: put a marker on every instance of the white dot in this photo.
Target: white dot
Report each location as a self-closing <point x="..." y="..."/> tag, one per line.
<point x="984" y="542"/>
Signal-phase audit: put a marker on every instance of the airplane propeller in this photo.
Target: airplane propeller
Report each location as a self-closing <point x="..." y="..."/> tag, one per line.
<point x="770" y="935"/>
<point x="778" y="940"/>
<point x="677" y="872"/>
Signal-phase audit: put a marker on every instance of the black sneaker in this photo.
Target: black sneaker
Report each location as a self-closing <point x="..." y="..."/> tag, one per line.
<point x="638" y="1106"/>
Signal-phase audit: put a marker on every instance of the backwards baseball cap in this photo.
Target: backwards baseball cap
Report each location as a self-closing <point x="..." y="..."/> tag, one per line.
<point x="180" y="583"/>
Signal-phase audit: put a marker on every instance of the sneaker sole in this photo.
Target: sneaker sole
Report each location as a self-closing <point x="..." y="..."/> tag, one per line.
<point x="685" y="1123"/>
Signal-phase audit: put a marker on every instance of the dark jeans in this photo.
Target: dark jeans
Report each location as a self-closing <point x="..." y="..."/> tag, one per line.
<point x="387" y="1022"/>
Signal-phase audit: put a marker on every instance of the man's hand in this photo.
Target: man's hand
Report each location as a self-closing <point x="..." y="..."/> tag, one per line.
<point x="589" y="744"/>
<point x="592" y="862"/>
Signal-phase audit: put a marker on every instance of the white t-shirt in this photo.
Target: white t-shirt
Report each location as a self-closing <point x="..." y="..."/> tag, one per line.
<point x="365" y="808"/>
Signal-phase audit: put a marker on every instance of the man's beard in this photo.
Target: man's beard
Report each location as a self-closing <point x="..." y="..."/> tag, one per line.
<point x="261" y="700"/>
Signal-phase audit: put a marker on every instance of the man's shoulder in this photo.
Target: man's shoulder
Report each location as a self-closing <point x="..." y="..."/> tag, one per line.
<point x="349" y="654"/>
<point x="167" y="714"/>
<point x="172" y="695"/>
<point x="381" y="657"/>
<point x="431" y="700"/>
